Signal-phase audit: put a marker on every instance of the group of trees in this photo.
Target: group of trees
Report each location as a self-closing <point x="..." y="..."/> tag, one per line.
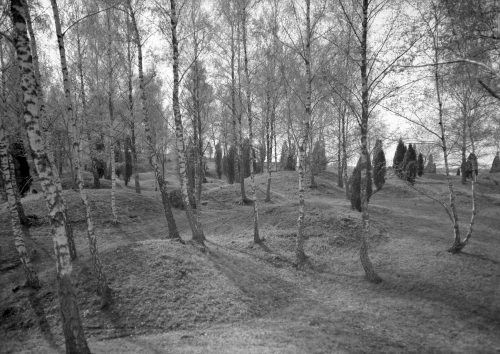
<point x="406" y="164"/>
<point x="308" y="76"/>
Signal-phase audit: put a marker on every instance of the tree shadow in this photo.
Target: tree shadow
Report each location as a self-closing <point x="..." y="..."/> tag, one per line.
<point x="266" y="290"/>
<point x="35" y="301"/>
<point x="479" y="256"/>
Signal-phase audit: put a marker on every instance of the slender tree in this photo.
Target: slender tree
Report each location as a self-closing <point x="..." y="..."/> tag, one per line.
<point x="102" y="283"/>
<point x="244" y="14"/>
<point x="196" y="228"/>
<point x="173" y="232"/>
<point x="71" y="323"/>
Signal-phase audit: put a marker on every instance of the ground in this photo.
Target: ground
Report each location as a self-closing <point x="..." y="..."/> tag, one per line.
<point x="237" y="297"/>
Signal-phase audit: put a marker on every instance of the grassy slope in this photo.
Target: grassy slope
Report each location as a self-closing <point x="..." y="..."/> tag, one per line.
<point x="237" y="297"/>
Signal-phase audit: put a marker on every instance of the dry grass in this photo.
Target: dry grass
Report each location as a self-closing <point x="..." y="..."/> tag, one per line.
<point x="237" y="297"/>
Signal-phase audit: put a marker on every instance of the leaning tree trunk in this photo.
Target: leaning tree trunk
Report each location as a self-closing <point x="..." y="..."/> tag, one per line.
<point x="71" y="323"/>
<point x="31" y="276"/>
<point x="370" y="273"/>
<point x="193" y="223"/>
<point x="111" y="121"/>
<point x="102" y="284"/>
<point x="173" y="232"/>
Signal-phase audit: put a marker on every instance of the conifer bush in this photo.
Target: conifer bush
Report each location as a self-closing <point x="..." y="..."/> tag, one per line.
<point x="411" y="172"/>
<point x="231" y="164"/>
<point x="128" y="161"/>
<point x="319" y="160"/>
<point x="218" y="160"/>
<point x="420" y="165"/>
<point x="291" y="161"/>
<point x="175" y="198"/>
<point x="284" y="155"/>
<point x="355" y="185"/>
<point x="246" y="158"/>
<point x="399" y="155"/>
<point x="379" y="166"/>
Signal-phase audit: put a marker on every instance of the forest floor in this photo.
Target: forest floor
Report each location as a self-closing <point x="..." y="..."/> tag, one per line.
<point x="237" y="297"/>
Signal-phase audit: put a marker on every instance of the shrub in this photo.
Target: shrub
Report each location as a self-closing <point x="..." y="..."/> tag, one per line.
<point x="291" y="161"/>
<point x="319" y="160"/>
<point x="355" y="185"/>
<point x="284" y="155"/>
<point x="128" y="160"/>
<point x="399" y="155"/>
<point x="420" y="165"/>
<point x="175" y="198"/>
<point x="218" y="160"/>
<point x="231" y="164"/>
<point x="495" y="165"/>
<point x="472" y="166"/>
<point x="411" y="172"/>
<point x="119" y="169"/>
<point x="379" y="166"/>
<point x="246" y="157"/>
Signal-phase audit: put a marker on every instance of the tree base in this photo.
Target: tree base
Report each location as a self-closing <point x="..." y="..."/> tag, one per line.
<point x="456" y="248"/>
<point x="373" y="278"/>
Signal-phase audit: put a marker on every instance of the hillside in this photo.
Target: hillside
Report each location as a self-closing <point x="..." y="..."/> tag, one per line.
<point x="237" y="297"/>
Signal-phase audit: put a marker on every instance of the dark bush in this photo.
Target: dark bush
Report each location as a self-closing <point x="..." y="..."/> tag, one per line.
<point x="379" y="166"/>
<point x="21" y="166"/>
<point x="218" y="160"/>
<point x="231" y="164"/>
<point x="355" y="185"/>
<point x="399" y="155"/>
<point x="175" y="198"/>
<point x="420" y="165"/>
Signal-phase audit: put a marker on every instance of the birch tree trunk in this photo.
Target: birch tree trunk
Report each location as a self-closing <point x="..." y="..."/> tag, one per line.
<point x="241" y="162"/>
<point x="370" y="273"/>
<point x="196" y="229"/>
<point x="233" y="89"/>
<point x="31" y="276"/>
<point x="111" y="120"/>
<point x="256" y="237"/>
<point x="344" y="157"/>
<point x="102" y="284"/>
<point x="173" y="232"/>
<point x="455" y="248"/>
<point x="131" y="110"/>
<point x="71" y="323"/>
<point x="299" y="248"/>
<point x="197" y="127"/>
<point x="41" y="106"/>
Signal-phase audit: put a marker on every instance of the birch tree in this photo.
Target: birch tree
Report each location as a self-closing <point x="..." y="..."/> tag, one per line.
<point x="196" y="228"/>
<point x="71" y="323"/>
<point x="244" y="15"/>
<point x="172" y="226"/>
